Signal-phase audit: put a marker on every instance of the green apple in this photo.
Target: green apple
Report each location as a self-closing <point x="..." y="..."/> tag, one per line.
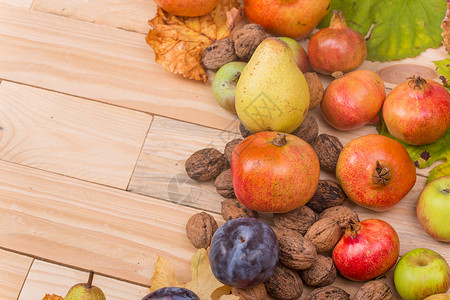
<point x="420" y="273"/>
<point x="300" y="56"/>
<point x="224" y="84"/>
<point x="438" y="297"/>
<point x="433" y="208"/>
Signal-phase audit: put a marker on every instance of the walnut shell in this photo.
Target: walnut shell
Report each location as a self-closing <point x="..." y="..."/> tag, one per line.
<point x="308" y="130"/>
<point x="229" y="147"/>
<point x="295" y="251"/>
<point x="218" y="54"/>
<point x="327" y="148"/>
<point x="321" y="273"/>
<point x="328" y="194"/>
<point x="315" y="89"/>
<point x="233" y="209"/>
<point x="200" y="229"/>
<point x="299" y="219"/>
<point x="328" y="293"/>
<point x="246" y="39"/>
<point x="284" y="284"/>
<point x="223" y="184"/>
<point x="324" y="234"/>
<point x="256" y="292"/>
<point x="374" y="290"/>
<point x="244" y="131"/>
<point x="205" y="164"/>
<point x="341" y="214"/>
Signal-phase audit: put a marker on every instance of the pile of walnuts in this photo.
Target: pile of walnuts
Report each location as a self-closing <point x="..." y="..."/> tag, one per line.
<point x="306" y="235"/>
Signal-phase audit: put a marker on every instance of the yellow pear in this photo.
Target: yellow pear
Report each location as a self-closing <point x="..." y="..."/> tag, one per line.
<point x="272" y="92"/>
<point x="85" y="291"/>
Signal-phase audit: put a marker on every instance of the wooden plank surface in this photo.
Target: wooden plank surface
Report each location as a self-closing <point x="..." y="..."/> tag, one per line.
<point x="125" y="14"/>
<point x="70" y="136"/>
<point x="13" y="272"/>
<point x="89" y="226"/>
<point x="101" y="63"/>
<point x="18" y="3"/>
<point x="47" y="278"/>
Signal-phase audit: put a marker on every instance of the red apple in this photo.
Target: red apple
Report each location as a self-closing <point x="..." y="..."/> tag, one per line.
<point x="417" y="112"/>
<point x="367" y="250"/>
<point x="274" y="172"/>
<point x="300" y="56"/>
<point x="293" y="18"/>
<point x="375" y="171"/>
<point x="353" y="100"/>
<point x="191" y="8"/>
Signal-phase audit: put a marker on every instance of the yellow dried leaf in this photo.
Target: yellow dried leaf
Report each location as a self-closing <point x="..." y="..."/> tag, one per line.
<point x="179" y="42"/>
<point x="203" y="282"/>
<point x="164" y="274"/>
<point x="229" y="297"/>
<point x="52" y="297"/>
<point x="446" y="27"/>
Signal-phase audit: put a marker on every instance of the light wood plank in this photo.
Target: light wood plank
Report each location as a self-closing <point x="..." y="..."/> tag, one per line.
<point x="71" y="136"/>
<point x="18" y="3"/>
<point x="101" y="63"/>
<point x="90" y="226"/>
<point x="13" y="272"/>
<point x="160" y="170"/>
<point x="47" y="278"/>
<point x="125" y="14"/>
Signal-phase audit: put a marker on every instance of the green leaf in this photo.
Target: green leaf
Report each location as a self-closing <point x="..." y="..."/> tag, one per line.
<point x="443" y="69"/>
<point x="401" y="28"/>
<point x="425" y="155"/>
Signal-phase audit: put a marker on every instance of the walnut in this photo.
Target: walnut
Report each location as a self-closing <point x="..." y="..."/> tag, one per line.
<point x="315" y="89"/>
<point x="224" y="186"/>
<point x="341" y="214"/>
<point x="218" y="54"/>
<point x="308" y="130"/>
<point x="328" y="194"/>
<point x="200" y="229"/>
<point x="321" y="273"/>
<point x="205" y="164"/>
<point x="327" y="148"/>
<point x="256" y="292"/>
<point x="244" y="131"/>
<point x="295" y="251"/>
<point x="229" y="147"/>
<point x="233" y="209"/>
<point x="299" y="219"/>
<point x="284" y="284"/>
<point x="246" y="39"/>
<point x="374" y="290"/>
<point x="328" y="293"/>
<point x="324" y="234"/>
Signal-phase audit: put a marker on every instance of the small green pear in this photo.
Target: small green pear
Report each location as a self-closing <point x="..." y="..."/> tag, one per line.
<point x="272" y="92"/>
<point x="85" y="291"/>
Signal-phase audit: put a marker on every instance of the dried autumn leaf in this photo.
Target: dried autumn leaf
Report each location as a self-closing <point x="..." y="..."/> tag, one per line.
<point x="229" y="297"/>
<point x="179" y="42"/>
<point x="203" y="282"/>
<point x="446" y="27"/>
<point x="52" y="297"/>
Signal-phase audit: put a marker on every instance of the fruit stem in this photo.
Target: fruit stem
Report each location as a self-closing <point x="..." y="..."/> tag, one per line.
<point x="417" y="83"/>
<point x="381" y="175"/>
<point x="353" y="227"/>
<point x="280" y="140"/>
<point x="91" y="278"/>
<point x="338" y="20"/>
<point x="236" y="78"/>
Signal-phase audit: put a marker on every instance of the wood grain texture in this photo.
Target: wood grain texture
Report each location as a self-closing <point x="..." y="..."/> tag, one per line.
<point x="125" y="14"/>
<point x="101" y="63"/>
<point x="89" y="226"/>
<point x="47" y="278"/>
<point x="18" y="3"/>
<point x="13" y="272"/>
<point x="160" y="171"/>
<point x="71" y="136"/>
